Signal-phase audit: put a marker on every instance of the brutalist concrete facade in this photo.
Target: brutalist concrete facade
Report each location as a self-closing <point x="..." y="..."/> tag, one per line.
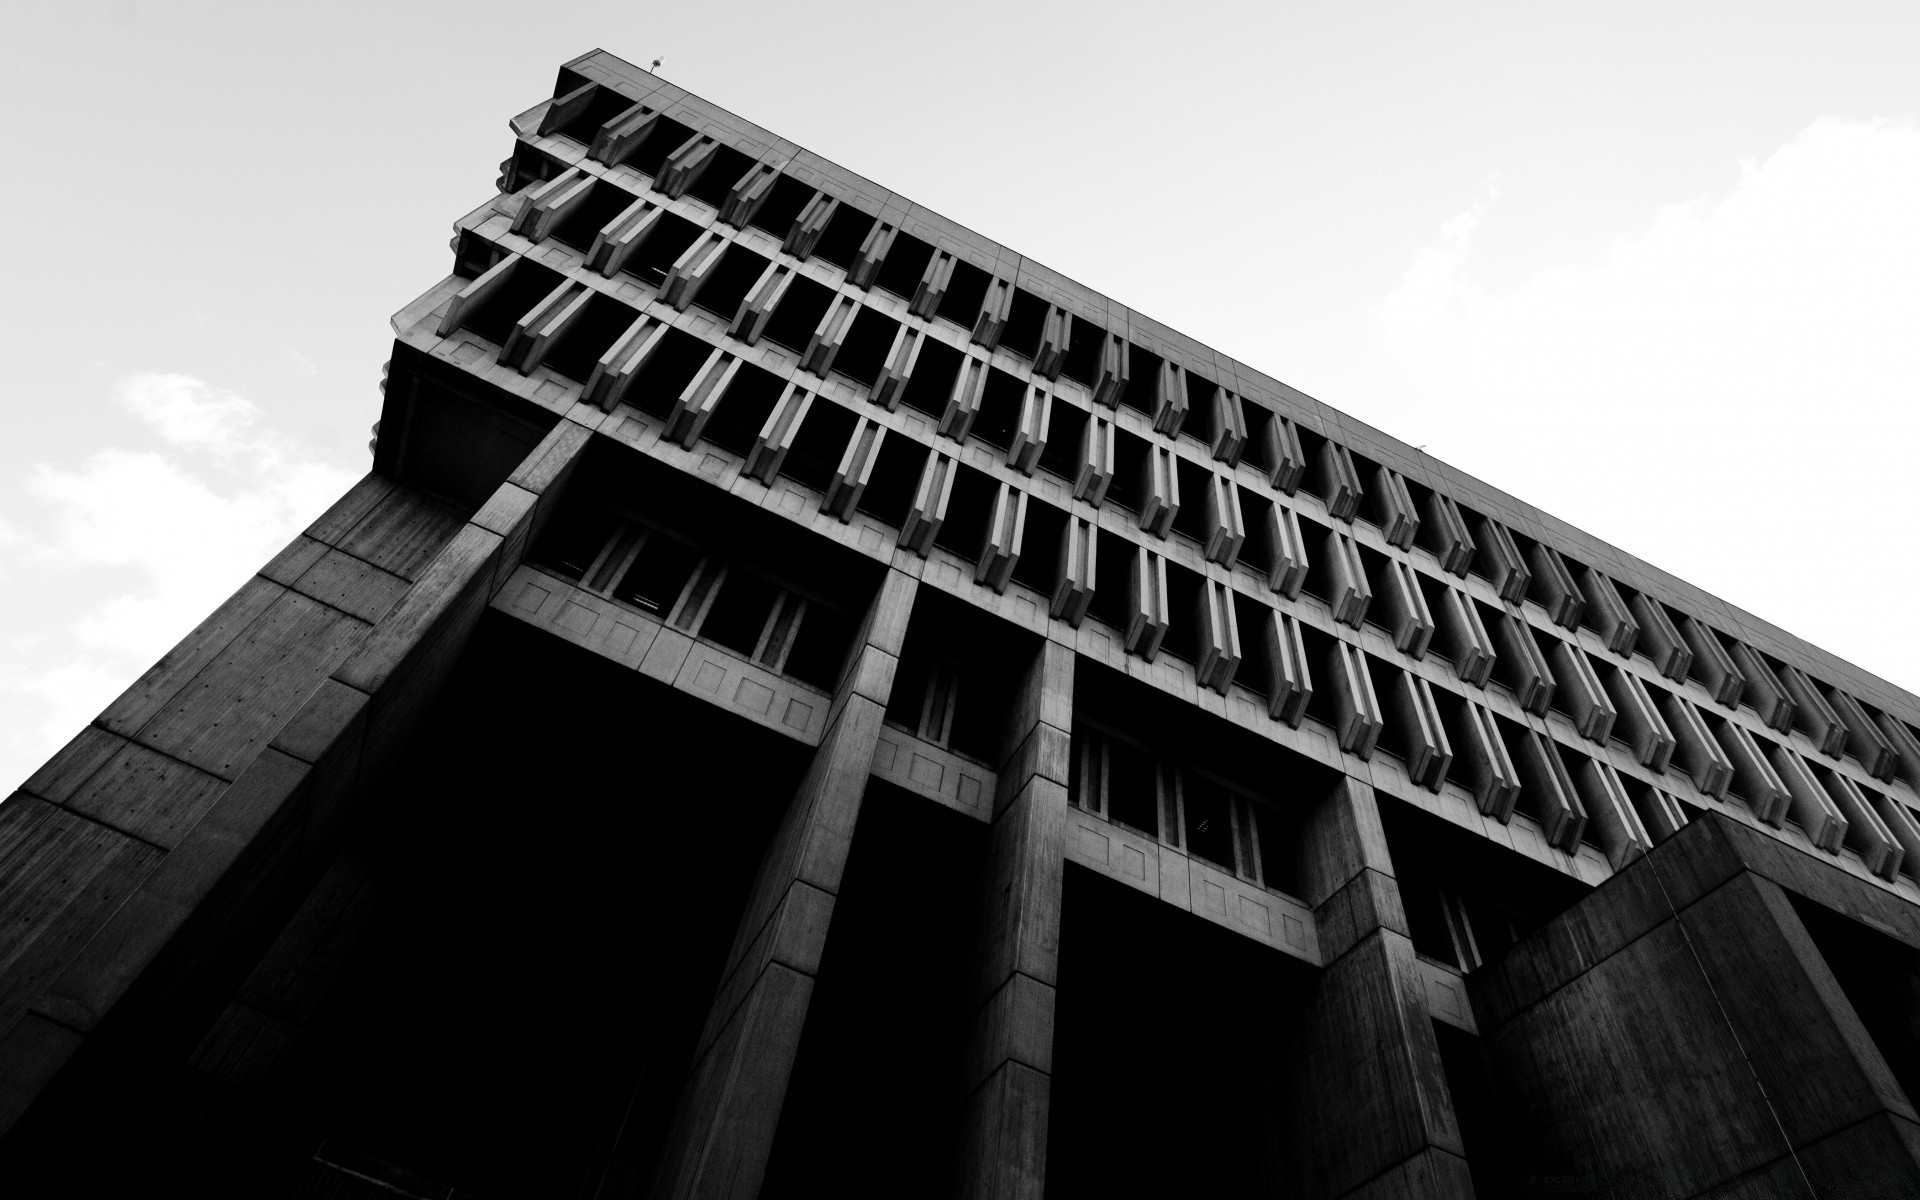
<point x="809" y="701"/>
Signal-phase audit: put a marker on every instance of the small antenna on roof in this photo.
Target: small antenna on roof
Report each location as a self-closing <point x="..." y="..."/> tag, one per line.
<point x="656" y="64"/>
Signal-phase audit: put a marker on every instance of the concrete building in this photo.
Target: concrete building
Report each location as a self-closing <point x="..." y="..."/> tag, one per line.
<point x="810" y="702"/>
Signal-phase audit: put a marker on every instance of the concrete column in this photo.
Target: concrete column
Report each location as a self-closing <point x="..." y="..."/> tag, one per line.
<point x="190" y="817"/>
<point x="1009" y="1063"/>
<point x="1368" y="1111"/>
<point x="729" y="1109"/>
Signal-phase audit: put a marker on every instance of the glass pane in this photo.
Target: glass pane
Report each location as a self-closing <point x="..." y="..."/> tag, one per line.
<point x="1132" y="794"/>
<point x="740" y="611"/>
<point x="574" y="538"/>
<point x="658" y="574"/>
<point x="1209" y="821"/>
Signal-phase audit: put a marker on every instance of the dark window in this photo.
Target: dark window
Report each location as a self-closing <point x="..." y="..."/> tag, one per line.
<point x="659" y="574"/>
<point x="575" y="540"/>
<point x="739" y="613"/>
<point x="1209" y="820"/>
<point x="1133" y="795"/>
<point x="820" y="647"/>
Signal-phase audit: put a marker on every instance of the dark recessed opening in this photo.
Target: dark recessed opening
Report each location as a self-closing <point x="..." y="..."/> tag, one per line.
<point x="668" y="372"/>
<point x="787" y="199"/>
<point x="840" y="241"/>
<point x="869" y="1105"/>
<point x="1319" y="580"/>
<point x="931" y="384"/>
<point x="1024" y="322"/>
<point x="999" y="410"/>
<point x="1066" y="427"/>
<point x="591" y="333"/>
<point x="744" y="410"/>
<point x="1199" y="424"/>
<point x="1257" y="419"/>
<point x="480" y="910"/>
<point x="726" y="168"/>
<point x="865" y="349"/>
<point x="739" y="613"/>
<point x="668" y="240"/>
<point x="818" y="446"/>
<point x="798" y="314"/>
<point x="969" y="507"/>
<point x="1133" y="795"/>
<point x="1039" y="565"/>
<point x="1112" y="579"/>
<point x="474" y="254"/>
<point x="1143" y="379"/>
<point x="1486" y="1125"/>
<point x="1313" y="480"/>
<point x="1183" y="599"/>
<point x="1256" y="668"/>
<point x="1125" y="1124"/>
<point x="659" y="574"/>
<point x="905" y="264"/>
<point x="1318" y="647"/>
<point x="966" y="291"/>
<point x="1191" y="520"/>
<point x="526" y="285"/>
<point x="728" y="283"/>
<point x="1083" y="351"/>
<point x="603" y="203"/>
<point x="1376" y="566"/>
<point x="1129" y="465"/>
<point x="574" y="537"/>
<point x="1209" y="819"/>
<point x="820" y="648"/>
<point x="1257" y="549"/>
<point x="1498" y="896"/>
<point x="666" y="136"/>
<point x="530" y="165"/>
<point x="896" y="473"/>
<point x="605" y="106"/>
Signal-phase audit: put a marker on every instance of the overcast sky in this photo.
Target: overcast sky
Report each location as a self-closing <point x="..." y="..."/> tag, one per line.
<point x="1654" y="267"/>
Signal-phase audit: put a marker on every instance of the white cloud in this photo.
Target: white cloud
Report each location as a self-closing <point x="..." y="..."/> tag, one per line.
<point x="1733" y="393"/>
<point x="164" y="535"/>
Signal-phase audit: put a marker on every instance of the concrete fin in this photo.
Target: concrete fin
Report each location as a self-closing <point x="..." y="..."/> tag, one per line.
<point x="1696" y="749"/>
<point x="1073" y="589"/>
<point x="1159" y="491"/>
<point x="1006" y="528"/>
<point x="1463" y="638"/>
<point x="963" y="399"/>
<point x="1356" y="707"/>
<point x="1645" y="729"/>
<point x="1030" y="429"/>
<point x="1290" y="685"/>
<point x="1558" y="593"/>
<point x="697" y="401"/>
<point x="1226" y="525"/>
<point x="756" y="307"/>
<point x="1548" y="791"/>
<point x="891" y="383"/>
<point x="1659" y="640"/>
<point x="1095" y="470"/>
<point x="1406" y="605"/>
<point x="1146" y="603"/>
<point x="1499" y="560"/>
<point x="776" y="435"/>
<point x="1286" y="552"/>
<point x="1286" y="462"/>
<point x="614" y="373"/>
<point x="856" y="467"/>
<point x="1607" y="613"/>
